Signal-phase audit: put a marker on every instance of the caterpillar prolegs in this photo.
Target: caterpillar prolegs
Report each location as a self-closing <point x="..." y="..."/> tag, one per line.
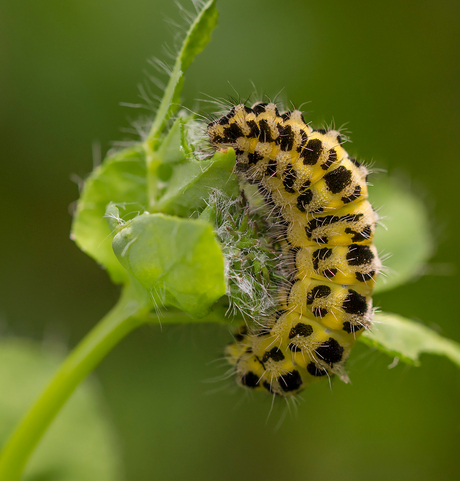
<point x="318" y="194"/>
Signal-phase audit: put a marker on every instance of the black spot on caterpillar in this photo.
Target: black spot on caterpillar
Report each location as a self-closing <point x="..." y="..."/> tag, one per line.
<point x="317" y="196"/>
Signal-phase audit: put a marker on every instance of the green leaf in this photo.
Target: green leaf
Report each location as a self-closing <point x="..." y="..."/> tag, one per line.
<point x="121" y="179"/>
<point x="81" y="444"/>
<point x="199" y="34"/>
<point x="170" y="150"/>
<point x="193" y="181"/>
<point x="407" y="237"/>
<point x="196" y="39"/>
<point x="406" y="339"/>
<point x="179" y="260"/>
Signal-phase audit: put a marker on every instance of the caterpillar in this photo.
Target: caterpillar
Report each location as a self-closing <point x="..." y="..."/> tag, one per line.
<point x="317" y="195"/>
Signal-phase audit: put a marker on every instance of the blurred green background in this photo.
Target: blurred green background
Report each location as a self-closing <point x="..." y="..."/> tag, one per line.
<point x="390" y="70"/>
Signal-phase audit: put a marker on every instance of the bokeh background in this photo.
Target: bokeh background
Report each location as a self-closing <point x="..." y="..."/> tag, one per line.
<point x="390" y="70"/>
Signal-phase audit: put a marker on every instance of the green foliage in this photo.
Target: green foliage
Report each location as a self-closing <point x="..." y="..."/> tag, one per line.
<point x="128" y="182"/>
<point x="178" y="260"/>
<point x="407" y="340"/>
<point x="82" y="431"/>
<point x="120" y="179"/>
<point x="192" y="182"/>
<point x="252" y="259"/>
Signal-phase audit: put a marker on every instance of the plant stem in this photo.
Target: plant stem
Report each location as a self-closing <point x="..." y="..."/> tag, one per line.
<point x="153" y="162"/>
<point x="120" y="321"/>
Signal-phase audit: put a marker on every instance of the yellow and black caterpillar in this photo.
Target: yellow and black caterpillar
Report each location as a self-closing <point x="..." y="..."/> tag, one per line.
<point x="318" y="195"/>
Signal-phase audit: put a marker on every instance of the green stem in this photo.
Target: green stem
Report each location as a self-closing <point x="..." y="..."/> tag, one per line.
<point x="153" y="162"/>
<point x="166" y="108"/>
<point x="120" y="321"/>
<point x="196" y="39"/>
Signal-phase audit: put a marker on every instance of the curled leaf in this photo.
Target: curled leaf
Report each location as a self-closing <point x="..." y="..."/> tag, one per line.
<point x="120" y="179"/>
<point x="179" y="260"/>
<point x="193" y="181"/>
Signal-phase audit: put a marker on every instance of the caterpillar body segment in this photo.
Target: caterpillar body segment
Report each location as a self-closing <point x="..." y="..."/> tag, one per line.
<point x="336" y="306"/>
<point x="352" y="224"/>
<point x="352" y="264"/>
<point x="317" y="196"/>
